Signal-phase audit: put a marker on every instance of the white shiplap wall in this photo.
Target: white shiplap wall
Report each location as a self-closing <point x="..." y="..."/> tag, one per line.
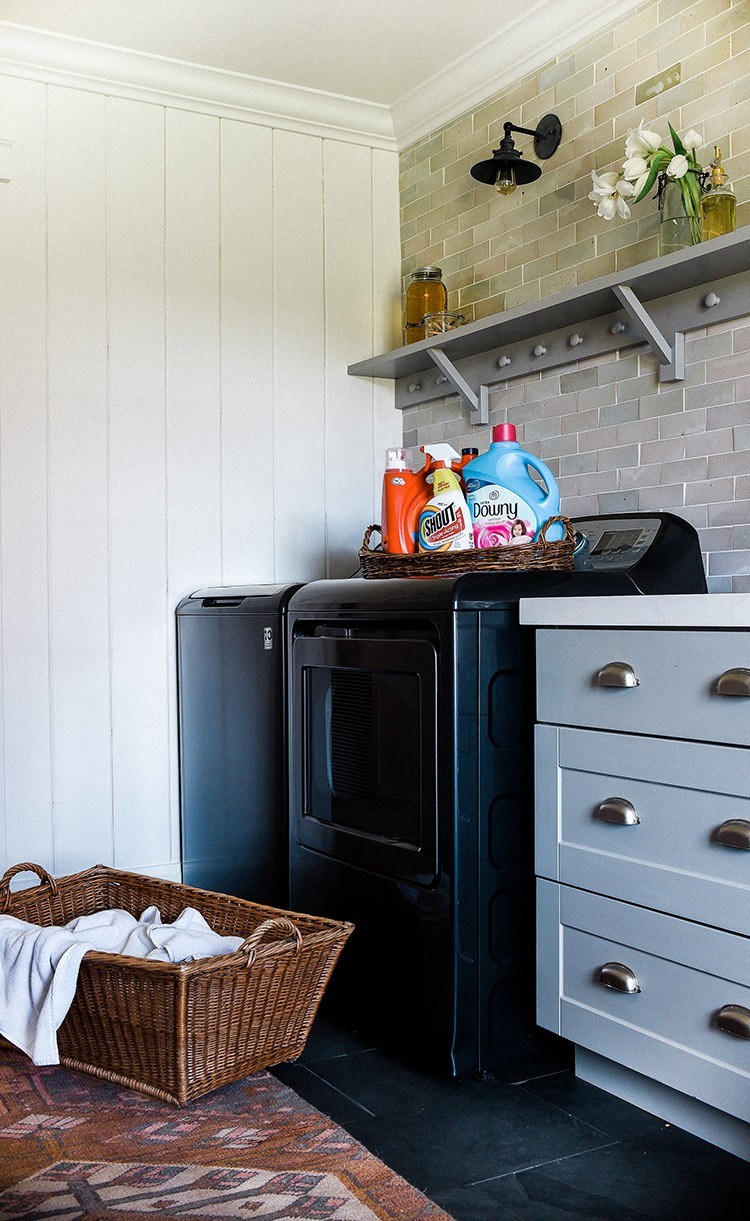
<point x="180" y="296"/>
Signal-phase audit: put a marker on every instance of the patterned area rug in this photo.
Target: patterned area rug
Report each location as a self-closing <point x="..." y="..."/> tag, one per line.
<point x="73" y="1148"/>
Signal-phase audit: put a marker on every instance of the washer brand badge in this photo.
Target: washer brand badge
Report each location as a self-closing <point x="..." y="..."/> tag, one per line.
<point x="267" y="637"/>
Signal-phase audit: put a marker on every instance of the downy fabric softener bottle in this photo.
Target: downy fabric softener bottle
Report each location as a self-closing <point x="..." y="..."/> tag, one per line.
<point x="507" y="505"/>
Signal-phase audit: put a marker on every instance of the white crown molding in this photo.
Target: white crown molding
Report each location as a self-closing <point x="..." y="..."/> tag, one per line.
<point x="545" y="31"/>
<point x="77" y="63"/>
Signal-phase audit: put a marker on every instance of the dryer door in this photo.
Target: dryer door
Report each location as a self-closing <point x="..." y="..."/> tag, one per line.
<point x="363" y="761"/>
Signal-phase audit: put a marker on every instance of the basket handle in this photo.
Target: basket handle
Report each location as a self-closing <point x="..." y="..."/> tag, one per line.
<point x="366" y="539"/>
<point x="44" y="878"/>
<point x="279" y="924"/>
<point x="569" y="533"/>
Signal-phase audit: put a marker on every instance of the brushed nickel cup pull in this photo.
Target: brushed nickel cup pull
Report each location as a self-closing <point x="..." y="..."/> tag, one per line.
<point x="619" y="977"/>
<point x="734" y="1019"/>
<point x="734" y="833"/>
<point x="618" y="810"/>
<point x="617" y="674"/>
<point x="734" y="682"/>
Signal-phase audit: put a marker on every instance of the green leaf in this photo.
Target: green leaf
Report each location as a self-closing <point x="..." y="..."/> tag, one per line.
<point x="691" y="194"/>
<point x="679" y="147"/>
<point x="653" y="172"/>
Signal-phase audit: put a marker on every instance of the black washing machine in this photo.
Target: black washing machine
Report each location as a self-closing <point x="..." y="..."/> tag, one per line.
<point x="231" y="686"/>
<point x="411" y="712"/>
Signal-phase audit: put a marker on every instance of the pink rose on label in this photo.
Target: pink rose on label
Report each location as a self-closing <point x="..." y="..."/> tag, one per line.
<point x="490" y="536"/>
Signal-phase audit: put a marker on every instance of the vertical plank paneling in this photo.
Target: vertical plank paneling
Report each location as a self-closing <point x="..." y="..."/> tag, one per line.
<point x="299" y="353"/>
<point x="23" y="470"/>
<point x="349" y="309"/>
<point x="78" y="466"/>
<point x="141" y="675"/>
<point x="178" y="309"/>
<point x="247" y="492"/>
<point x="193" y="369"/>
<point x="193" y="351"/>
<point x="386" y="294"/>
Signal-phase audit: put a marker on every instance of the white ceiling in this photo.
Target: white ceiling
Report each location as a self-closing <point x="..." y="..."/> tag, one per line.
<point x="433" y="56"/>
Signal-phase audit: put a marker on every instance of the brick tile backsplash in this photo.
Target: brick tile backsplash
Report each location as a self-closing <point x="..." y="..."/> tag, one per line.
<point x="615" y="437"/>
<point x="631" y="455"/>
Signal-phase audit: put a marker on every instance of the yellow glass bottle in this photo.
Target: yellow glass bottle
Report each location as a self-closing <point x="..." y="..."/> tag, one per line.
<point x="426" y="294"/>
<point x="719" y="203"/>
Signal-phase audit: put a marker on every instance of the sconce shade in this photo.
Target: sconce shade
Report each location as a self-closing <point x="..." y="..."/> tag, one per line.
<point x="507" y="162"/>
<point x="487" y="171"/>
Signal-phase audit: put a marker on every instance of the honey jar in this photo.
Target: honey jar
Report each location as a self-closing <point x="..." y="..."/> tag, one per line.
<point x="426" y="294"/>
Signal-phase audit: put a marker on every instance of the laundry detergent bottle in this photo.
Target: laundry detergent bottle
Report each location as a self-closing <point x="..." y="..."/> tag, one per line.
<point x="444" y="523"/>
<point x="506" y="503"/>
<point x="404" y="493"/>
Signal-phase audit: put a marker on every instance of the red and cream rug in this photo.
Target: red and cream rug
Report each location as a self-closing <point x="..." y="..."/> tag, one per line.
<point x="73" y="1148"/>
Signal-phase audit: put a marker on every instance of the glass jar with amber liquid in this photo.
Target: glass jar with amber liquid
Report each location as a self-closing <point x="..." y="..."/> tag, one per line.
<point x="426" y="294"/>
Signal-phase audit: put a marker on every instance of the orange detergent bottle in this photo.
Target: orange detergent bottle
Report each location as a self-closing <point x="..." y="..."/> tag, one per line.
<point x="404" y="493"/>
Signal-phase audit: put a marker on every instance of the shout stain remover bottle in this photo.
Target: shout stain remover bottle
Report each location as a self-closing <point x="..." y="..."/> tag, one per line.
<point x="507" y="504"/>
<point x="444" y="523"/>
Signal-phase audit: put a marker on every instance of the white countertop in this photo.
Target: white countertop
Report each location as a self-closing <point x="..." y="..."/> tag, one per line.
<point x="651" y="610"/>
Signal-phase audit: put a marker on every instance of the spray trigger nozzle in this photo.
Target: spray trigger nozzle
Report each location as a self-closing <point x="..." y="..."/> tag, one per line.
<point x="441" y="452"/>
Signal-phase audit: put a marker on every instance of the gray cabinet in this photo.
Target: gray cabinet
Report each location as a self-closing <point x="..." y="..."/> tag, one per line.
<point x="643" y="867"/>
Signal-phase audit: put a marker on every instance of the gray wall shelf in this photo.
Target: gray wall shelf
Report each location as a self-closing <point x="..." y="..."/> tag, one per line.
<point x="652" y="303"/>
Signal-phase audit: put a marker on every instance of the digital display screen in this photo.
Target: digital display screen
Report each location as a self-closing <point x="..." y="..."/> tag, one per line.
<point x="616" y="542"/>
<point x="617" y="545"/>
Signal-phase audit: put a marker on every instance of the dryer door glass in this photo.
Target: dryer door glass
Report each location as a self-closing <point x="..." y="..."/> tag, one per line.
<point x="364" y="752"/>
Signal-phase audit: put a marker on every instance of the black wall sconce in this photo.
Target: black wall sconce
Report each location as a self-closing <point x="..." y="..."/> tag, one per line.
<point x="505" y="168"/>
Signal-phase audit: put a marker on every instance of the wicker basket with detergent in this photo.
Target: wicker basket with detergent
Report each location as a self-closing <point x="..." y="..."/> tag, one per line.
<point x="178" y="1030"/>
<point x="542" y="554"/>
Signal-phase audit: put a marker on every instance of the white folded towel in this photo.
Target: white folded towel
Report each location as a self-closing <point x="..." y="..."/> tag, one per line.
<point x="39" y="966"/>
<point x="38" y="977"/>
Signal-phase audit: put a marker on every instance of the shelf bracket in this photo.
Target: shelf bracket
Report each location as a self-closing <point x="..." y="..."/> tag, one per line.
<point x="671" y="356"/>
<point x="478" y="403"/>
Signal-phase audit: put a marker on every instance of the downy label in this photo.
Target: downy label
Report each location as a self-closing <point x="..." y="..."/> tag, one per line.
<point x="499" y="516"/>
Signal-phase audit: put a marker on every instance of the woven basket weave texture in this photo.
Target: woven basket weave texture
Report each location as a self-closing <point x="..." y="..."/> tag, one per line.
<point x="554" y="555"/>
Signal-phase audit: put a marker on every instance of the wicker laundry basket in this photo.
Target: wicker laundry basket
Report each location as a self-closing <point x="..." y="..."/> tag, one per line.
<point x="552" y="555"/>
<point x="179" y="1030"/>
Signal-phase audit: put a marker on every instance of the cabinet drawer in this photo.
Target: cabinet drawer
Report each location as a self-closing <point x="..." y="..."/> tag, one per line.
<point x="662" y="823"/>
<point x="676" y="676"/>
<point x="687" y="976"/>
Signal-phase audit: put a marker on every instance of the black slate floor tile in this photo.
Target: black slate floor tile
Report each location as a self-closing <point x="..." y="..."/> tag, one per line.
<point x="537" y="1146"/>
<point x="321" y="1094"/>
<point x="329" y="1039"/>
<point x="480" y="1136"/>
<point x="664" y="1176"/>
<point x="610" y="1115"/>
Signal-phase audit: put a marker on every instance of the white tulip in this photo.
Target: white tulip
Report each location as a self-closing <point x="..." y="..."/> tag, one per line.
<point x="641" y="141"/>
<point x="634" y="168"/>
<point x="678" y="167"/>
<point x="692" y="140"/>
<point x="609" y="192"/>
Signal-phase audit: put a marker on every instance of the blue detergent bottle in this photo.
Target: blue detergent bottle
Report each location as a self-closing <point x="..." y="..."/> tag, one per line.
<point x="507" y="505"/>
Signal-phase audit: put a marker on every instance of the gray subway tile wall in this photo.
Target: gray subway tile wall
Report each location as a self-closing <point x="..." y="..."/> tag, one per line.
<point x="681" y="448"/>
<point x="613" y="434"/>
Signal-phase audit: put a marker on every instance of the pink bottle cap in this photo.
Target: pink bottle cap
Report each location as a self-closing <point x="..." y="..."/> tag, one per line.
<point x="504" y="432"/>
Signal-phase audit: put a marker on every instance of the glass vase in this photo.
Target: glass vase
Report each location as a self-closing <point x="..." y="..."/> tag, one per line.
<point x="677" y="230"/>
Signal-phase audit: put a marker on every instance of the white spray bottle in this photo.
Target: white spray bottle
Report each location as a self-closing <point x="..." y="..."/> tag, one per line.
<point x="445" y="521"/>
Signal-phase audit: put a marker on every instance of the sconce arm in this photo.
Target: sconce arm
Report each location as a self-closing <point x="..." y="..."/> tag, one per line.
<point x="527" y="131"/>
